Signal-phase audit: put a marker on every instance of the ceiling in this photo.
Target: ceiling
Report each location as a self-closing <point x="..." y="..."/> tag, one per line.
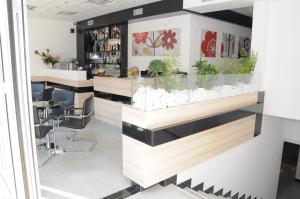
<point x="77" y="10"/>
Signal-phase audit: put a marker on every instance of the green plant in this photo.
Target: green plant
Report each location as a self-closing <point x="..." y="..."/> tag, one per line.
<point x="47" y="58"/>
<point x="205" y="73"/>
<point x="158" y="68"/>
<point x="172" y="61"/>
<point x="229" y="65"/>
<point x="245" y="64"/>
<point x="204" y="68"/>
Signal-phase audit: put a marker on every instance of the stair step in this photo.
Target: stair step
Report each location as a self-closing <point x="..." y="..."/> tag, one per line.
<point x="159" y="192"/>
<point x="203" y="195"/>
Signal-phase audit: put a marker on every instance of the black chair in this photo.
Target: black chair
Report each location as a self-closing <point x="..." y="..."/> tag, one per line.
<point x="47" y="94"/>
<point x="66" y="99"/>
<point x="42" y="130"/>
<point x="78" y="121"/>
<point x="37" y="90"/>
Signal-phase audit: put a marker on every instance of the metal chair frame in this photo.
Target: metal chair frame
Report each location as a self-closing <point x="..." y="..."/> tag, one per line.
<point x="81" y="116"/>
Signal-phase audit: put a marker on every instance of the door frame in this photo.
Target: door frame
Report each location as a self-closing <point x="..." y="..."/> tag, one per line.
<point x="16" y="86"/>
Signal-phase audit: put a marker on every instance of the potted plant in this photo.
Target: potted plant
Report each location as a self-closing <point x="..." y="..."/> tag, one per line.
<point x="205" y="72"/>
<point x="241" y="68"/>
<point x="158" y="68"/>
<point x="47" y="58"/>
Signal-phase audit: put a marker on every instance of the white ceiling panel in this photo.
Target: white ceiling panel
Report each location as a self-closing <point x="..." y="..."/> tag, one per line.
<point x="48" y="9"/>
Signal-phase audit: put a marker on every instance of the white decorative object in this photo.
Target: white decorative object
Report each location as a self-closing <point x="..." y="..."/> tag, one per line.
<point x="149" y="99"/>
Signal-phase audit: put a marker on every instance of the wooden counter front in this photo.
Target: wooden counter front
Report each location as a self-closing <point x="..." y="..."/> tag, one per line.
<point x="82" y="88"/>
<point x="113" y="85"/>
<point x="109" y="109"/>
<point x="62" y="81"/>
<point x="162" y="143"/>
<point x="176" y="115"/>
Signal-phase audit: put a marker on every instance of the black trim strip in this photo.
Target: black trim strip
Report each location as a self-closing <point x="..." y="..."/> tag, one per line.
<point x="164" y="135"/>
<point x="151" y="9"/>
<point x="158" y="137"/>
<point x="125" y="193"/>
<point x="88" y="89"/>
<point x="112" y="97"/>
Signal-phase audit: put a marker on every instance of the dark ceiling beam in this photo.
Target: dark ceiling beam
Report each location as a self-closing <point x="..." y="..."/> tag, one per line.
<point x="230" y="16"/>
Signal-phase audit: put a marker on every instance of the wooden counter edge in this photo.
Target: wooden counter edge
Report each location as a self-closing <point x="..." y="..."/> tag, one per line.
<point x="176" y="115"/>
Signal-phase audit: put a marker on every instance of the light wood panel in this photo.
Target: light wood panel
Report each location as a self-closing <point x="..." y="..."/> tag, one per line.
<point x="181" y="114"/>
<point x="108" y="111"/>
<point x="148" y="165"/>
<point x="118" y="86"/>
<point x="67" y="82"/>
<point x="80" y="98"/>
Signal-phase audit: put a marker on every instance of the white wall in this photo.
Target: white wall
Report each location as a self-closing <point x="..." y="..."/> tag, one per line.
<point x="201" y="22"/>
<point x="251" y="168"/>
<point x="51" y="34"/>
<point x="191" y="26"/>
<point x="279" y="32"/>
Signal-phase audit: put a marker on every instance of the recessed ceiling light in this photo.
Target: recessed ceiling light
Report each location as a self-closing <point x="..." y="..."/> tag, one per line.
<point x="65" y="12"/>
<point x="102" y="2"/>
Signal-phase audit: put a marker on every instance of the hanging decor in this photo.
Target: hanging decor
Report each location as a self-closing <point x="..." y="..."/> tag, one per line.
<point x="244" y="46"/>
<point x="47" y="58"/>
<point x="228" y="45"/>
<point x="208" y="43"/>
<point x="155" y="43"/>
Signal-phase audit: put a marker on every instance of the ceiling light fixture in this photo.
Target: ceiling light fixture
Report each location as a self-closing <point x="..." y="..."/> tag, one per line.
<point x="102" y="2"/>
<point x="70" y="13"/>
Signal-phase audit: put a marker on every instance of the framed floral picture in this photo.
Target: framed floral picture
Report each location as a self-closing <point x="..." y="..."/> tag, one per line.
<point x="208" y="43"/>
<point x="228" y="45"/>
<point x="155" y="43"/>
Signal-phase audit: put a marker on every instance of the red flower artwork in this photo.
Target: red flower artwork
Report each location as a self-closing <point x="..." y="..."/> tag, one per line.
<point x="140" y="37"/>
<point x="169" y="39"/>
<point x="208" y="45"/>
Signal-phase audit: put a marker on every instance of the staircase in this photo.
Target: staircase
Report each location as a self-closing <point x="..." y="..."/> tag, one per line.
<point x="210" y="193"/>
<point x="203" y="195"/>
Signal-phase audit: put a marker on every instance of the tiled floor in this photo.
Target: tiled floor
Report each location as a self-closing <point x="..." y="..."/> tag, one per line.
<point x="288" y="189"/>
<point x="92" y="175"/>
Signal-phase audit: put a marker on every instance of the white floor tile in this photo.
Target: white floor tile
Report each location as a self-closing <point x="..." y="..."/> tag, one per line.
<point x="93" y="175"/>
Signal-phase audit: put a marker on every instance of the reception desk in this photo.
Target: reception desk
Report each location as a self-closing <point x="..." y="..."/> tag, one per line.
<point x="74" y="82"/>
<point x="110" y="94"/>
<point x="160" y="144"/>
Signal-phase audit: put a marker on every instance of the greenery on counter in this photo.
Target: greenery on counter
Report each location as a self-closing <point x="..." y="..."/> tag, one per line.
<point x="204" y="68"/>
<point x="245" y="64"/>
<point x="47" y="58"/>
<point x="158" y="68"/>
<point x="168" y="66"/>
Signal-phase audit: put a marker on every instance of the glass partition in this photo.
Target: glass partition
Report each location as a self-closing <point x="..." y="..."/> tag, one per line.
<point x="149" y="94"/>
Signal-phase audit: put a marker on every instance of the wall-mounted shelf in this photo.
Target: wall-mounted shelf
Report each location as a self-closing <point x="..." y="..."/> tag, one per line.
<point x="107" y="45"/>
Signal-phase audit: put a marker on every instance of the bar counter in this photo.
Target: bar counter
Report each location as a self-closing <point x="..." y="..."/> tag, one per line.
<point x="110" y="94"/>
<point x="67" y="80"/>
